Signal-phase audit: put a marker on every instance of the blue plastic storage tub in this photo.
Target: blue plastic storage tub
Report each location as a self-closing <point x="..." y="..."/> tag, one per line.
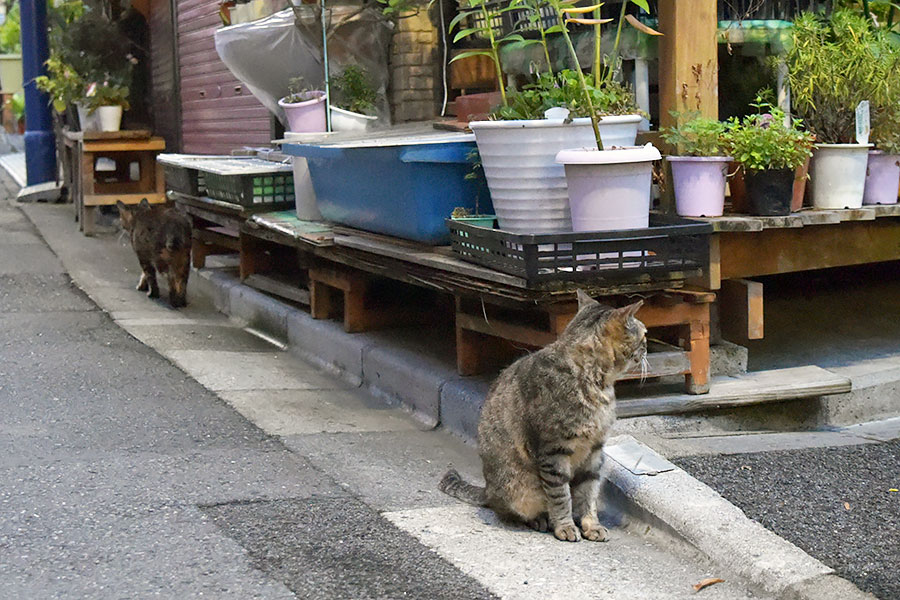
<point x="401" y="186"/>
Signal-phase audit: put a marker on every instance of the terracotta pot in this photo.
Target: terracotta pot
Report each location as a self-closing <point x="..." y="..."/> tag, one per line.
<point x="799" y="191"/>
<point x="475" y="107"/>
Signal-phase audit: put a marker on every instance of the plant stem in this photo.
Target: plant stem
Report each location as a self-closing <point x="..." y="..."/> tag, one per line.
<point x="544" y="42"/>
<point x="598" y="51"/>
<point x="615" y="53"/>
<point x="495" y="55"/>
<point x="584" y="87"/>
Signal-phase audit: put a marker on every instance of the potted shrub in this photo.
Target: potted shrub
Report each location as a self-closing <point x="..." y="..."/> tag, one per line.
<point x="700" y="168"/>
<point x="355" y="110"/>
<point x="520" y="143"/>
<point x="835" y="63"/>
<point x="107" y="100"/>
<point x="770" y="148"/>
<point x="304" y="107"/>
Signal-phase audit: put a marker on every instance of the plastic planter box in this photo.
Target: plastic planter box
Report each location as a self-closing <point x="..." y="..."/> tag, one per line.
<point x="403" y="186"/>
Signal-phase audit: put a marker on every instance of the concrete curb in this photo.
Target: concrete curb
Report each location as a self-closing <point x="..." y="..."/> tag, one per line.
<point x="694" y="513"/>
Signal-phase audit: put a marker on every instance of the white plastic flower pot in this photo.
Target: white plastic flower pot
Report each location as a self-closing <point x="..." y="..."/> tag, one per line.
<point x="345" y="120"/>
<point x="307" y="116"/>
<point x="110" y="117"/>
<point x="304" y="193"/>
<point x="528" y="187"/>
<point x="609" y="189"/>
<point x="838" y="175"/>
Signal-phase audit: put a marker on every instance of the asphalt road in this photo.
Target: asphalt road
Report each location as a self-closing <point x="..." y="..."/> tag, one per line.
<point x="834" y="503"/>
<point x="122" y="477"/>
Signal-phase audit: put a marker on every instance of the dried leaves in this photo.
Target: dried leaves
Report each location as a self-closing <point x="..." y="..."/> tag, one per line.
<point x="707" y="582"/>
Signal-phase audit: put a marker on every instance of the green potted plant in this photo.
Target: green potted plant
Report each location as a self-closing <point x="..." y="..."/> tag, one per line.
<point x="64" y="86"/>
<point x="11" y="52"/>
<point x="107" y="100"/>
<point x="769" y="147"/>
<point x="834" y="63"/>
<point x="520" y="142"/>
<point x="700" y="167"/>
<point x="355" y="110"/>
<point x="304" y="107"/>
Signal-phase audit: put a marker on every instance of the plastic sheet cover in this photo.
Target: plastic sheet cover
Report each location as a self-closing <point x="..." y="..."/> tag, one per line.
<point x="265" y="54"/>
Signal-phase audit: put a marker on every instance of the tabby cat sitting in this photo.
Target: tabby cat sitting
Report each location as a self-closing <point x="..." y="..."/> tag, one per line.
<point x="545" y="420"/>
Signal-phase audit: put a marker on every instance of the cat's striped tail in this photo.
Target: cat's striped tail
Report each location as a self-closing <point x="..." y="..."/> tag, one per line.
<point x="454" y="485"/>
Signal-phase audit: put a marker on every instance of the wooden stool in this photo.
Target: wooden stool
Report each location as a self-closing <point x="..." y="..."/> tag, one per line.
<point x="687" y="311"/>
<point x="123" y="148"/>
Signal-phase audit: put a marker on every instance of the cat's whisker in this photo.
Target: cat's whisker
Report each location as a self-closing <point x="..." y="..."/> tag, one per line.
<point x="645" y="367"/>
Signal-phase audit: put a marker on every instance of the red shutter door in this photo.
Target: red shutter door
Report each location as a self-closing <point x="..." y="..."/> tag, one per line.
<point x="218" y="114"/>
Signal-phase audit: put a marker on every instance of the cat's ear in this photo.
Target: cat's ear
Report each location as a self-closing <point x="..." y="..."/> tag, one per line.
<point x="584" y="300"/>
<point x="144" y="204"/>
<point x="121" y="206"/>
<point x="629" y="311"/>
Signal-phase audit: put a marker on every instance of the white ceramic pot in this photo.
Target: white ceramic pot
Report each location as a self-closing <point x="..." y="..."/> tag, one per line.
<point x="88" y="121"/>
<point x="609" y="189"/>
<point x="110" y="117"/>
<point x="528" y="187"/>
<point x="838" y="175"/>
<point x="345" y="120"/>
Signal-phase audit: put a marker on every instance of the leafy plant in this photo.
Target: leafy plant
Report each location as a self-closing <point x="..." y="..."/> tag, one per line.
<point x="355" y="91"/>
<point x="564" y="10"/>
<point x="478" y="18"/>
<point x="107" y="93"/>
<point x="835" y="63"/>
<point x="298" y="91"/>
<point x="16" y="104"/>
<point x="767" y="140"/>
<point x="62" y="83"/>
<point x="696" y="135"/>
<point x="11" y="32"/>
<point x="564" y="89"/>
<point x="96" y="49"/>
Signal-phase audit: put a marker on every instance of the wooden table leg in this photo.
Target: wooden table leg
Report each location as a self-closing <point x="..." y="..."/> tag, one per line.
<point x="697" y="381"/>
<point x="87" y="188"/>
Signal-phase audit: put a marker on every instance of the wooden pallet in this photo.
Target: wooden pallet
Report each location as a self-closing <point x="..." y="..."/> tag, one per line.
<point x="688" y="311"/>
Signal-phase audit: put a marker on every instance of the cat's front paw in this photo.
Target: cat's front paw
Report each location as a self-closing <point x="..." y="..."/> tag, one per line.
<point x="153" y="293"/>
<point x="598" y="533"/>
<point x="567" y="532"/>
<point x="593" y="531"/>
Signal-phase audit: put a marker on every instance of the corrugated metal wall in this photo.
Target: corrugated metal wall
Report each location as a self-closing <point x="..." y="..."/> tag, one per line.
<point x="163" y="70"/>
<point x="218" y="114"/>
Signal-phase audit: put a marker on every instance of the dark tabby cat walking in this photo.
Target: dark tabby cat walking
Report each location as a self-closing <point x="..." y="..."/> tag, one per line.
<point x="161" y="238"/>
<point x="545" y="421"/>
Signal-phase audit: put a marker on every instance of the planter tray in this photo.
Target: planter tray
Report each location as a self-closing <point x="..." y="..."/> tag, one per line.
<point x="671" y="249"/>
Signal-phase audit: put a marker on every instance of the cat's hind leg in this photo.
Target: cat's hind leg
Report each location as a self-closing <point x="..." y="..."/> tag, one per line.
<point x="179" y="270"/>
<point x="585" y="487"/>
<point x="142" y="285"/>
<point x="149" y="275"/>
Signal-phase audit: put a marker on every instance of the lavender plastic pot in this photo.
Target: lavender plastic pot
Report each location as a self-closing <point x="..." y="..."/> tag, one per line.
<point x="307" y="116"/>
<point x="699" y="183"/>
<point x="882" y="178"/>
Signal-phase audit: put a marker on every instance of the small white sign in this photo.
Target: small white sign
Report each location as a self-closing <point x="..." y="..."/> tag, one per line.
<point x="862" y="122"/>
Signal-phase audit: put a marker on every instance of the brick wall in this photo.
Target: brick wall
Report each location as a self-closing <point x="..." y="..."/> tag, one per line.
<point x="415" y="69"/>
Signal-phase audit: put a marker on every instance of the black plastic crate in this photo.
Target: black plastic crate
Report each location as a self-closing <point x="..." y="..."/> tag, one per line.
<point x="257" y="190"/>
<point x="671" y="249"/>
<point x="184" y="180"/>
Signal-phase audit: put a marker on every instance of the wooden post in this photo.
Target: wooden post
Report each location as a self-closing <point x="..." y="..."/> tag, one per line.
<point x="688" y="59"/>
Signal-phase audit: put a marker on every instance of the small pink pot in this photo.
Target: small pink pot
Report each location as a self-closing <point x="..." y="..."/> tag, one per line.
<point x="882" y="178"/>
<point x="307" y="116"/>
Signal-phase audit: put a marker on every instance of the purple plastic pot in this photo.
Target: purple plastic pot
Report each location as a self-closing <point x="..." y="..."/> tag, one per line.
<point x="882" y="178"/>
<point x="307" y="116"/>
<point x="699" y="183"/>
